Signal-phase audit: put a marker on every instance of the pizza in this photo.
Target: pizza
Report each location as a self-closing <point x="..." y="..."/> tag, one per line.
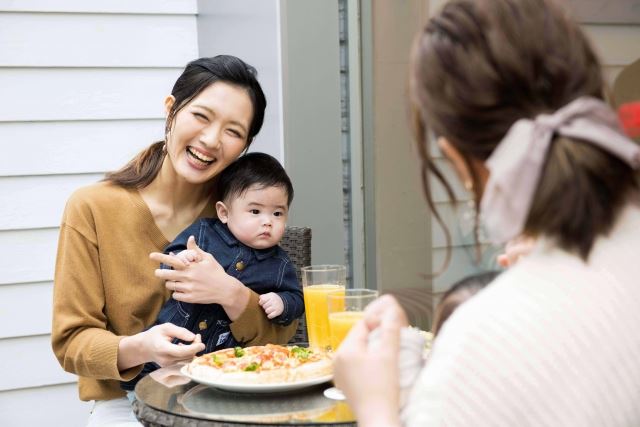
<point x="267" y="364"/>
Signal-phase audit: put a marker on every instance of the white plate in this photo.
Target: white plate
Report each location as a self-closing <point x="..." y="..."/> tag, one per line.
<point x="257" y="388"/>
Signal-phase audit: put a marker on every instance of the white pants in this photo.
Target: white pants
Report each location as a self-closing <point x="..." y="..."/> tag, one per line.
<point x="112" y="413"/>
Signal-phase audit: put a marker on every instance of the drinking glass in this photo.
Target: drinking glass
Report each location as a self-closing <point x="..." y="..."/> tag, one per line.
<point x="317" y="282"/>
<point x="345" y="309"/>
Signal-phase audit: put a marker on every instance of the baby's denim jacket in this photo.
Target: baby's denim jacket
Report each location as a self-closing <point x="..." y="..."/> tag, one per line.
<point x="261" y="270"/>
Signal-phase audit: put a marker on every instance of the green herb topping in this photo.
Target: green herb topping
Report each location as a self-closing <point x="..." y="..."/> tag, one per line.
<point x="252" y="367"/>
<point x="301" y="353"/>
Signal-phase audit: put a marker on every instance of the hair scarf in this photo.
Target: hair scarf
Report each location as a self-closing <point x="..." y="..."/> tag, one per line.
<point x="516" y="163"/>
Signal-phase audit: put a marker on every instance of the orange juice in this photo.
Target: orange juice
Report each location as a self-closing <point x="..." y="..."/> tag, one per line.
<point x="317" y="313"/>
<point x="340" y="323"/>
<point x="340" y="412"/>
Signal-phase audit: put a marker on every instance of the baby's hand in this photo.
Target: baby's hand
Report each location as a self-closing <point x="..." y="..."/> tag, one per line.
<point x="272" y="304"/>
<point x="188" y="256"/>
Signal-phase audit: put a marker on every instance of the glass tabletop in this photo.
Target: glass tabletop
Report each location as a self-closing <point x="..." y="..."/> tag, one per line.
<point x="175" y="394"/>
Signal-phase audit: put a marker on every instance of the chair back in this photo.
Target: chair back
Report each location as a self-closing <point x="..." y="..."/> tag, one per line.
<point x="297" y="242"/>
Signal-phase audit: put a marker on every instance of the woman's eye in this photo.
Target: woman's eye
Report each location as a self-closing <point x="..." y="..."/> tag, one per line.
<point x="201" y="116"/>
<point x="235" y="133"/>
<point x="254" y="211"/>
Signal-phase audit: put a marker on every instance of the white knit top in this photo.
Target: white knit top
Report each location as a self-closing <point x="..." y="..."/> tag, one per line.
<point x="552" y="342"/>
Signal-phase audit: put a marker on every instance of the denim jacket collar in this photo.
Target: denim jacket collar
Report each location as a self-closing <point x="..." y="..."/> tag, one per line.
<point x="226" y="235"/>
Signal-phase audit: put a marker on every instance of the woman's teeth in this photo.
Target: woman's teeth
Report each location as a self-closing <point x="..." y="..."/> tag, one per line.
<point x="200" y="157"/>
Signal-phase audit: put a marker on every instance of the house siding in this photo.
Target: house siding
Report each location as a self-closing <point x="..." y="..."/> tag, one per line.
<point x="83" y="86"/>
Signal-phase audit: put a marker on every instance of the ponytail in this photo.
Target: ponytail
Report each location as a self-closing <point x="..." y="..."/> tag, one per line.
<point x="142" y="169"/>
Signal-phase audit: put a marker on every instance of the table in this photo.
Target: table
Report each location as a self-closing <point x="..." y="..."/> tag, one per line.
<point x="174" y="400"/>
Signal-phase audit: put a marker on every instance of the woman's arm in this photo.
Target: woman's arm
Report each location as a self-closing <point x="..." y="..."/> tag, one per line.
<point x="206" y="282"/>
<point x="79" y="336"/>
<point x="82" y="339"/>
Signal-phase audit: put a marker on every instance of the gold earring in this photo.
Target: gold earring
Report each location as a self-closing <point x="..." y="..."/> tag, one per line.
<point x="468" y="185"/>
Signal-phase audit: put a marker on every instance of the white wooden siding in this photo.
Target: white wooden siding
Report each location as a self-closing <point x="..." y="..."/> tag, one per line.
<point x="44" y="406"/>
<point x="188" y="7"/>
<point x="28" y="256"/>
<point x="82" y="40"/>
<point x="39" y="94"/>
<point x="15" y="321"/>
<point x="37" y="201"/>
<point x="71" y="147"/>
<point x="49" y="371"/>
<point x="83" y="88"/>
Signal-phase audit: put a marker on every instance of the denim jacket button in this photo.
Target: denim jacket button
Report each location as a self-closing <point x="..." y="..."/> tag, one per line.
<point x="202" y="325"/>
<point x="239" y="265"/>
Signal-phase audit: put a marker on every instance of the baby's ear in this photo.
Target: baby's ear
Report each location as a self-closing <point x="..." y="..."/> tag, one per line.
<point x="222" y="211"/>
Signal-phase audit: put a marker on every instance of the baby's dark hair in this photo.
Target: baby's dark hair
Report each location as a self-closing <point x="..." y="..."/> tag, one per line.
<point x="457" y="294"/>
<point x="253" y="169"/>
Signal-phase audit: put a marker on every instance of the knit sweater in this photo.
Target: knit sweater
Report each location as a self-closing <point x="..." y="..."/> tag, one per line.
<point x="105" y="288"/>
<point x="554" y="341"/>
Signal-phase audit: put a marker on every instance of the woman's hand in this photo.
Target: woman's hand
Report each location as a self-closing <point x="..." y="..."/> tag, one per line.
<point x="160" y="349"/>
<point x="375" y="399"/>
<point x="385" y="309"/>
<point x="202" y="282"/>
<point x="154" y="345"/>
<point x="515" y="249"/>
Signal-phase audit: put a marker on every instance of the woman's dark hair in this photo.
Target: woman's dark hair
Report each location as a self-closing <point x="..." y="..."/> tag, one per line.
<point x="253" y="169"/>
<point x="457" y="294"/>
<point x="481" y="65"/>
<point x="196" y="77"/>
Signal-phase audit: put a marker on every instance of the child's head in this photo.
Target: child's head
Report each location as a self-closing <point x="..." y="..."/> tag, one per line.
<point x="460" y="292"/>
<point x="255" y="193"/>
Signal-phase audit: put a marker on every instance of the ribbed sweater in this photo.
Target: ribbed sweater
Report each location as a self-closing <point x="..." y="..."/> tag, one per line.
<point x="553" y="341"/>
<point x="105" y="288"/>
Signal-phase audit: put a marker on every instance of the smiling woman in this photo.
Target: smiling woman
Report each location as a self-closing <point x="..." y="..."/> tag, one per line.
<point x="209" y="133"/>
<point x="105" y="290"/>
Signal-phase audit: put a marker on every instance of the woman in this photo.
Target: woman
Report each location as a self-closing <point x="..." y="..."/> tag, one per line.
<point x="513" y="93"/>
<point x="105" y="290"/>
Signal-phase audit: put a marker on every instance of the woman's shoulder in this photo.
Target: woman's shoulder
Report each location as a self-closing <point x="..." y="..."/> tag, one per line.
<point x="98" y="200"/>
<point x="97" y="194"/>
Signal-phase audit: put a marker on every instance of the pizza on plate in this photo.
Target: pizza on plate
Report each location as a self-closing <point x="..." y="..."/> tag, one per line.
<point x="267" y="364"/>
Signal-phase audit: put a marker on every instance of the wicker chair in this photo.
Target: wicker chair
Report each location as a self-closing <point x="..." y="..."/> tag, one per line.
<point x="297" y="242"/>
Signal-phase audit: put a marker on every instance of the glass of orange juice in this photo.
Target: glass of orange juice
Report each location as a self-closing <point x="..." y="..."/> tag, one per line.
<point x="345" y="309"/>
<point x="317" y="282"/>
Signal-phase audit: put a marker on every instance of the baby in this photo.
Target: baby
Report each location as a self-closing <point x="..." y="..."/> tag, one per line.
<point x="254" y="198"/>
<point x="457" y="294"/>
